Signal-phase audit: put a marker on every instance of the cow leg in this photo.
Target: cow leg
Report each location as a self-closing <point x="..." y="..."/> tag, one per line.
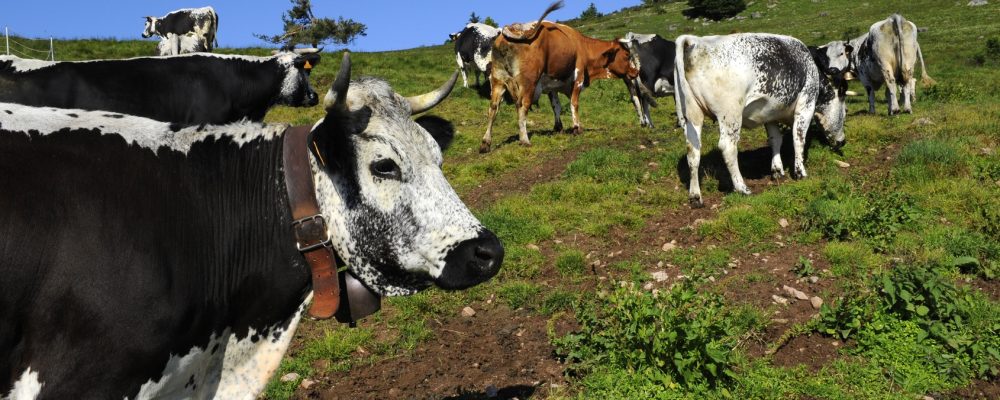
<point x="556" y="111"/>
<point x="496" y="95"/>
<point x="729" y="136"/>
<point x="871" y="99"/>
<point x="636" y="100"/>
<point x="574" y="106"/>
<point x="692" y="132"/>
<point x="461" y="66"/>
<point x="908" y="90"/>
<point x="522" y="121"/>
<point x="645" y="113"/>
<point x="891" y="91"/>
<point x="774" y="137"/>
<point x="803" y="116"/>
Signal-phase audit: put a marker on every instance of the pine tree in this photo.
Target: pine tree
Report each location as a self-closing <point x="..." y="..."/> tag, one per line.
<point x="302" y="27"/>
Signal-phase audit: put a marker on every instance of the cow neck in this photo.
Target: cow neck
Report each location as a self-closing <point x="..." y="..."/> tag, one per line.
<point x="308" y="226"/>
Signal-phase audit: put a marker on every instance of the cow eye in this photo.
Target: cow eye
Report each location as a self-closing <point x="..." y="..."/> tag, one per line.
<point x="386" y="169"/>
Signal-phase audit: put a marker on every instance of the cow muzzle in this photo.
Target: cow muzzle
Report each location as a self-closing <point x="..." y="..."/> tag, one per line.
<point x="311" y="99"/>
<point x="472" y="262"/>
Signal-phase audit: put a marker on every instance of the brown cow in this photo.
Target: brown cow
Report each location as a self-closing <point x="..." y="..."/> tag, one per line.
<point x="546" y="57"/>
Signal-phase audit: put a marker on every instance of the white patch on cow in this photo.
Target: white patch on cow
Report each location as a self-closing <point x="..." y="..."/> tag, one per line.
<point x="26" y="64"/>
<point x="639" y="37"/>
<point x="26" y="387"/>
<point x="142" y="132"/>
<point x="662" y="87"/>
<point x="228" y="367"/>
<point x="174" y="44"/>
<point x="428" y="217"/>
<point x="482" y="60"/>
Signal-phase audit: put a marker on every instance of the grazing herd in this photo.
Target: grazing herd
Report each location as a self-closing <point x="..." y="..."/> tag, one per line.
<point x="151" y="225"/>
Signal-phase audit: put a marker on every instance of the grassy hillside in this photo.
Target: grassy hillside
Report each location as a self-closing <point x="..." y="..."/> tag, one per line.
<point x="614" y="287"/>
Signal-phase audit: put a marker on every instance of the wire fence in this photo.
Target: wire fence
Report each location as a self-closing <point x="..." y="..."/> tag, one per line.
<point x="17" y="45"/>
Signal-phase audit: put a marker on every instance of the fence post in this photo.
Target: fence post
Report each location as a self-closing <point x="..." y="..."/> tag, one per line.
<point x="52" y="49"/>
<point x="6" y="38"/>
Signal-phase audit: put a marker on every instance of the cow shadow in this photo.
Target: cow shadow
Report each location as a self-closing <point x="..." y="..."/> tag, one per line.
<point x="754" y="164"/>
<point x="509" y="392"/>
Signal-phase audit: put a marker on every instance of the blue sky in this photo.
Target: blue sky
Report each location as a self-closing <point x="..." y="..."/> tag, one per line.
<point x="392" y="24"/>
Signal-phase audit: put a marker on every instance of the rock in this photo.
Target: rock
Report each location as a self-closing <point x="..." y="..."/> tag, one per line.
<point x="532" y="246"/>
<point x="783" y="222"/>
<point x="924" y="121"/>
<point x="672" y="27"/>
<point x="468" y="312"/>
<point x="779" y="299"/>
<point x="816" y="302"/>
<point x="756" y="14"/>
<point x="648" y="286"/>
<point x="669" y="246"/>
<point x="307" y="383"/>
<point x="660" y="276"/>
<point x="289" y="377"/>
<point x="975" y="3"/>
<point x="824" y="14"/>
<point x="780" y="321"/>
<point x="798" y="294"/>
<point x="813" y="279"/>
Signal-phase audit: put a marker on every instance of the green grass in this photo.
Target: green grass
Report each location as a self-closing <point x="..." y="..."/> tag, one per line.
<point x="915" y="194"/>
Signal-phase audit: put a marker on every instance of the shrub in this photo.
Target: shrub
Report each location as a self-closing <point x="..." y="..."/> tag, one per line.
<point x="714" y="9"/>
<point x="876" y="217"/>
<point x="680" y="337"/>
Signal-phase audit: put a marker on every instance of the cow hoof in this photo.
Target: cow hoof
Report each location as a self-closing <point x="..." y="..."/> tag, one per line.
<point x="798" y="175"/>
<point x="484" y="148"/>
<point x="558" y="127"/>
<point x="777" y="174"/>
<point x="696" y="202"/>
<point x="742" y="190"/>
<point x="576" y="130"/>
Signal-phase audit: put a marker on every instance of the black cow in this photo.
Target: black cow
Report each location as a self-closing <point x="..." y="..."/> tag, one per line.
<point x="139" y="261"/>
<point x="189" y="89"/>
<point x="654" y="56"/>
<point x="202" y="22"/>
<point x="474" y="48"/>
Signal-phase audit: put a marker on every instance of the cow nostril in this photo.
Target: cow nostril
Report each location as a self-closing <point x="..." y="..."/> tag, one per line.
<point x="485" y="254"/>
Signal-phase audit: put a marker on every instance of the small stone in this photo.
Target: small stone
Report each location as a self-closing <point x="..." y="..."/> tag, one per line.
<point x="468" y="312"/>
<point x="813" y="279"/>
<point x="841" y="164"/>
<point x="640" y="191"/>
<point x="660" y="276"/>
<point x="783" y="222"/>
<point x="698" y="221"/>
<point x="779" y="299"/>
<point x="653" y="164"/>
<point x="975" y="3"/>
<point x="642" y="147"/>
<point x="798" y="294"/>
<point x="289" y="377"/>
<point x="532" y="246"/>
<point x="307" y="383"/>
<point x="757" y="14"/>
<point x="816" y="302"/>
<point x="648" y="286"/>
<point x="780" y="321"/>
<point x="824" y="14"/>
<point x="668" y="246"/>
<point x="835" y="343"/>
<point x="922" y="122"/>
<point x="711" y="279"/>
<point x="927" y="398"/>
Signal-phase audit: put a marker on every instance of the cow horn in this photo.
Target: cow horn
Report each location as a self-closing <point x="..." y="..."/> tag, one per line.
<point x="426" y="101"/>
<point x="309" y="50"/>
<point x="336" y="98"/>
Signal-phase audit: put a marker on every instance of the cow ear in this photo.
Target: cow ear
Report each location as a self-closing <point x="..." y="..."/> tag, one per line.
<point x="440" y="129"/>
<point x="848" y="48"/>
<point x="819" y="57"/>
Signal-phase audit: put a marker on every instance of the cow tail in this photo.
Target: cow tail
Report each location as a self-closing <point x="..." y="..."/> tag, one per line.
<point x="897" y="21"/>
<point x="682" y="89"/>
<point x="538" y="25"/>
<point x="925" y="79"/>
<point x="215" y="30"/>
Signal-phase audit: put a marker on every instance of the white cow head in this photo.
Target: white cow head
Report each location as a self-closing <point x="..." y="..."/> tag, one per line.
<point x="831" y="108"/>
<point x="834" y="58"/>
<point x="295" y="88"/>
<point x="393" y="217"/>
<point x="150" y="29"/>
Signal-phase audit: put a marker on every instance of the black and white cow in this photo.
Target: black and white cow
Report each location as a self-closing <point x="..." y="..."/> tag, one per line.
<point x="749" y="79"/>
<point x="887" y="55"/>
<point x="188" y="89"/>
<point x="474" y="48"/>
<point x="142" y="261"/>
<point x="201" y="22"/>
<point x="654" y="56"/>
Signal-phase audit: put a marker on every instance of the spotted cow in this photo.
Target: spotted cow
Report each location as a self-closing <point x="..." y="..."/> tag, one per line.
<point x="473" y="49"/>
<point x="748" y="80"/>
<point x="654" y="56"/>
<point x="201" y="23"/>
<point x="144" y="261"/>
